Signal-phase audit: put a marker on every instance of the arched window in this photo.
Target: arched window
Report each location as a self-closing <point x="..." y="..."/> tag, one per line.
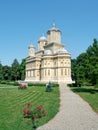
<point x="54" y="72"/>
<point x="65" y="72"/>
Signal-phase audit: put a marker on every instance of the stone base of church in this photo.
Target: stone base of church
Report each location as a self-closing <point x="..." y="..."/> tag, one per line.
<point x="68" y="81"/>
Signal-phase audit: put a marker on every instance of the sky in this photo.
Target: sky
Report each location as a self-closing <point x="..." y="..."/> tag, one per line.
<point x="22" y="22"/>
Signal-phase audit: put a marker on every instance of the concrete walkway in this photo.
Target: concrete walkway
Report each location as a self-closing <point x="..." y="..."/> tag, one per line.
<point x="74" y="114"/>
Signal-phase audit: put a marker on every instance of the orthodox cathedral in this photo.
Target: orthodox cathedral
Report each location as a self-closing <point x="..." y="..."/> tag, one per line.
<point x="52" y="62"/>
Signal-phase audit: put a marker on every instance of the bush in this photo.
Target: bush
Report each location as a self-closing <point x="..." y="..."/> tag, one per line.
<point x="15" y="83"/>
<point x="35" y="114"/>
<point x="96" y="86"/>
<point x="69" y="85"/>
<point x="30" y="84"/>
<point x="3" y="82"/>
<point x="55" y="85"/>
<point x="49" y="87"/>
<point x="39" y="84"/>
<point x="35" y="84"/>
<point x="73" y="85"/>
<point x="9" y="82"/>
<point x="22" y="86"/>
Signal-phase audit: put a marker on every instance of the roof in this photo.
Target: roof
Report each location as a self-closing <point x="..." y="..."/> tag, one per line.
<point x="42" y="38"/>
<point x="54" y="28"/>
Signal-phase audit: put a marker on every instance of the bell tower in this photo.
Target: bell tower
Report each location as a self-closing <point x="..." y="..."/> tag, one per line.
<point x="54" y="35"/>
<point x="42" y="42"/>
<point x="31" y="50"/>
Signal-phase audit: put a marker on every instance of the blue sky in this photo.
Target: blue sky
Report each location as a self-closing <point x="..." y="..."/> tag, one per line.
<point x="22" y="22"/>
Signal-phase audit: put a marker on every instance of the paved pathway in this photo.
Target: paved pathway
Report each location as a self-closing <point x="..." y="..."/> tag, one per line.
<point x="74" y="114"/>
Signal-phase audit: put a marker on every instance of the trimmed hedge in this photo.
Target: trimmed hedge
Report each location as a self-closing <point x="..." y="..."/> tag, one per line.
<point x="15" y="83"/>
<point x="43" y="84"/>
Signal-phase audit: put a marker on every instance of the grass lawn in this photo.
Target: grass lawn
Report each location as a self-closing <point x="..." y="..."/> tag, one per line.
<point x="89" y="94"/>
<point x="13" y="101"/>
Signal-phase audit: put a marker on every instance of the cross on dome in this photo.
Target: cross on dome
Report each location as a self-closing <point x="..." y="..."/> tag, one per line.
<point x="42" y="37"/>
<point x="54" y="25"/>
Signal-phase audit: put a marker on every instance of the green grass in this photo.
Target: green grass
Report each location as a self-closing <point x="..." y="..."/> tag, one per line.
<point x="89" y="94"/>
<point x="13" y="101"/>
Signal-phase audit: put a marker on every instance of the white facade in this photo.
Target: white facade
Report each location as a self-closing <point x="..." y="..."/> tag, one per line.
<point x="51" y="62"/>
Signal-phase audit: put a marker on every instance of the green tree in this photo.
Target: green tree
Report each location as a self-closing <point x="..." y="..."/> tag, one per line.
<point x="79" y="68"/>
<point x="85" y="66"/>
<point x="6" y="73"/>
<point x="1" y="75"/>
<point x="92" y="53"/>
<point x="22" y="69"/>
<point x="15" y="70"/>
<point x="73" y="69"/>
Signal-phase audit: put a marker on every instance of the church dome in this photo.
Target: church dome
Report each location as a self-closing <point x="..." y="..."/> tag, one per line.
<point x="42" y="38"/>
<point x="54" y="28"/>
<point x="61" y="51"/>
<point x="47" y="52"/>
<point x="31" y="46"/>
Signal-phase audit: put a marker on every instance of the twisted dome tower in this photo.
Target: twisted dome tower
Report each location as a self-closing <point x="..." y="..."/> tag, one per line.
<point x="42" y="42"/>
<point x="54" y="35"/>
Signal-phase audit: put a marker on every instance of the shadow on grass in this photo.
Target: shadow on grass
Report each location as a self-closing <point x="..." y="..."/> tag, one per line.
<point x="88" y="90"/>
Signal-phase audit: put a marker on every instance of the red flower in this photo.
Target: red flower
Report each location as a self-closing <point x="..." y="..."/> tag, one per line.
<point x="25" y="111"/>
<point x="28" y="104"/>
<point x="39" y="108"/>
<point x="28" y="112"/>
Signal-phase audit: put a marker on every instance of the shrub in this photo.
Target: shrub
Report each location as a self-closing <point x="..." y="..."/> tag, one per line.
<point x="49" y="87"/>
<point x="73" y="85"/>
<point x="36" y="84"/>
<point x="34" y="114"/>
<point x="55" y="85"/>
<point x="15" y="83"/>
<point x="22" y="86"/>
<point x="3" y="82"/>
<point x="96" y="86"/>
<point x="30" y="84"/>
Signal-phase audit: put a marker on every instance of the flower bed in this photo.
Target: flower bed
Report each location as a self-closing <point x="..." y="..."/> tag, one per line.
<point x="34" y="114"/>
<point x="22" y="85"/>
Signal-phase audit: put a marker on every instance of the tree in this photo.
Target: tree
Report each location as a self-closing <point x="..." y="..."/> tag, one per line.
<point x="92" y="53"/>
<point x="73" y="69"/>
<point x="85" y="66"/>
<point x="1" y="76"/>
<point x="15" y="70"/>
<point x="6" y="73"/>
<point x="22" y="69"/>
<point x="79" y="68"/>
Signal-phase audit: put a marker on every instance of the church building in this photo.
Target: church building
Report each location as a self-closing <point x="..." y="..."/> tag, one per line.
<point x="52" y="62"/>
